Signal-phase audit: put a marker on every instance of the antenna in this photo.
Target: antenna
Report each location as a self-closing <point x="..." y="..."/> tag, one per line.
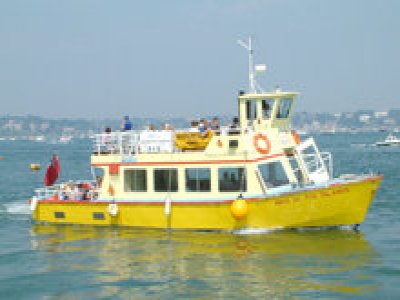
<point x="253" y="69"/>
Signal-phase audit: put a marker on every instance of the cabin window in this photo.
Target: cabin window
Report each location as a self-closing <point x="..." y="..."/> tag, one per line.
<point x="98" y="174"/>
<point x="232" y="180"/>
<point x="166" y="180"/>
<point x="296" y="169"/>
<point x="198" y="180"/>
<point x="251" y="109"/>
<point x="284" y="108"/>
<point x="273" y="174"/>
<point x="267" y="106"/>
<point x="135" y="181"/>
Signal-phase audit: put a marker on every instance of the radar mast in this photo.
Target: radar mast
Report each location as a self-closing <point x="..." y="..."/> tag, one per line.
<point x="254" y="87"/>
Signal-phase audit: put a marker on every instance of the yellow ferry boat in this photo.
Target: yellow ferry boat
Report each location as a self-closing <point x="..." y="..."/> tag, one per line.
<point x="256" y="174"/>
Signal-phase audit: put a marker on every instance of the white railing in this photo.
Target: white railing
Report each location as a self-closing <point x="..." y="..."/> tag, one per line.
<point x="72" y="190"/>
<point x="131" y="142"/>
<point x="313" y="162"/>
<point x="146" y="141"/>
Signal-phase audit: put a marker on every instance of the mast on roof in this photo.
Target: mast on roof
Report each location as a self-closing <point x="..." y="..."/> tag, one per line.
<point x="253" y="69"/>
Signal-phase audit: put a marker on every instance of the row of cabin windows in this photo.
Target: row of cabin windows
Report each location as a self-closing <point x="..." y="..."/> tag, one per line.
<point x="196" y="180"/>
<point x="199" y="179"/>
<point x="267" y="106"/>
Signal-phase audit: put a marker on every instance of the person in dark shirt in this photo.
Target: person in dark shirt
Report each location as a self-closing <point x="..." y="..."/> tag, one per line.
<point x="126" y="124"/>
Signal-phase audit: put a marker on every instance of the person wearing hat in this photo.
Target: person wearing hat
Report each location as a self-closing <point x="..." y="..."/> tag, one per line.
<point x="126" y="124"/>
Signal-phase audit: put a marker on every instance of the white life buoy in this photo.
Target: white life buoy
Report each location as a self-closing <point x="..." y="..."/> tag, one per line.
<point x="34" y="203"/>
<point x="113" y="209"/>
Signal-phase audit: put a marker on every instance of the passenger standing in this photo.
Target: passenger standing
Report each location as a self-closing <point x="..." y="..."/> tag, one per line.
<point x="126" y="124"/>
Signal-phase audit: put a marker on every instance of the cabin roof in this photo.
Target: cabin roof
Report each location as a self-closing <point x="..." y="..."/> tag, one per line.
<point x="274" y="94"/>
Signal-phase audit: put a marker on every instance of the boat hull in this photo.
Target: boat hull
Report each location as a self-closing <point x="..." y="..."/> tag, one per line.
<point x="335" y="205"/>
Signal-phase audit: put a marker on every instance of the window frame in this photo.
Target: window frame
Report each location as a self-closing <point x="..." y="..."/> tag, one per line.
<point x="242" y="181"/>
<point x="271" y="109"/>
<point x="268" y="183"/>
<point x="198" y="189"/>
<point x="281" y="105"/>
<point x="145" y="183"/>
<point x="168" y="190"/>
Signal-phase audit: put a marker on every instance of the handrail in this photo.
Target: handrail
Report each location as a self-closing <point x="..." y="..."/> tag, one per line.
<point x="327" y="159"/>
<point x="146" y="141"/>
<point x="72" y="190"/>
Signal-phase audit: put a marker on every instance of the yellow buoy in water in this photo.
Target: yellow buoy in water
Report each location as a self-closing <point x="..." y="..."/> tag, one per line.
<point x="35" y="167"/>
<point x="239" y="208"/>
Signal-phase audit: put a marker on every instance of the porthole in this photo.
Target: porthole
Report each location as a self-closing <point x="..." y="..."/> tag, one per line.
<point x="98" y="216"/>
<point x="59" y="215"/>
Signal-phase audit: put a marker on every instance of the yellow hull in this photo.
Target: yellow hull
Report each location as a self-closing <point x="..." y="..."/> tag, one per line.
<point x="344" y="204"/>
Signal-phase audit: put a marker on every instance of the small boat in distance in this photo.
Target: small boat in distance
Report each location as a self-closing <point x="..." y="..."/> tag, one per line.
<point x="391" y="140"/>
<point x="65" y="139"/>
<point x="253" y="174"/>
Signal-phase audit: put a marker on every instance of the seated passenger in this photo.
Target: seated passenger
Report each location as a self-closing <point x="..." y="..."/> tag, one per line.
<point x="235" y="123"/>
<point x="234" y="128"/>
<point x="215" y="124"/>
<point x="105" y="141"/>
<point x="151" y="127"/>
<point x="194" y="126"/>
<point x="202" y="126"/>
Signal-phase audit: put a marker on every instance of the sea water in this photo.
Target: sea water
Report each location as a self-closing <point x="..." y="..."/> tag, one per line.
<point x="85" y="262"/>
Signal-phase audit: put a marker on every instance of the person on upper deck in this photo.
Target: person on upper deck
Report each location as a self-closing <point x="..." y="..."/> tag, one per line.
<point x="194" y="126"/>
<point x="202" y="126"/>
<point x="235" y="123"/>
<point x="126" y="124"/>
<point x="215" y="124"/>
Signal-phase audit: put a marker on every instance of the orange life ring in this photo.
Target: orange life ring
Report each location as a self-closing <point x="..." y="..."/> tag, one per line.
<point x="296" y="137"/>
<point x="263" y="149"/>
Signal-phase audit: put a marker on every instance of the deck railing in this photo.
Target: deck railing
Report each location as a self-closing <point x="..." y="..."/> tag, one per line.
<point x="145" y="141"/>
<point x="313" y="163"/>
<point x="72" y="190"/>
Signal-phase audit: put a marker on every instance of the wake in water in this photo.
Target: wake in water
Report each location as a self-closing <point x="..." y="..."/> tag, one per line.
<point x="16" y="208"/>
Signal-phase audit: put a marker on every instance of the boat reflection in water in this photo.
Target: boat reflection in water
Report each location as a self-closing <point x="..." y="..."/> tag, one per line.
<point x="123" y="262"/>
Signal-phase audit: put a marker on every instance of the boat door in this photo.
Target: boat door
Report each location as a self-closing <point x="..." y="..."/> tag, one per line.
<point x="311" y="159"/>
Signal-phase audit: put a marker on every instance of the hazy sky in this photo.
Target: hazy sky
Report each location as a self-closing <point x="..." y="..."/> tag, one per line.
<point x="97" y="59"/>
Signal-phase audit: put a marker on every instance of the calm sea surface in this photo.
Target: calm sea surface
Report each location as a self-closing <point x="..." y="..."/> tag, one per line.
<point x="78" y="262"/>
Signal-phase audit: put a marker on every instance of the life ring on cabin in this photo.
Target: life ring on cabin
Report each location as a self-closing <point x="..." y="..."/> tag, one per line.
<point x="296" y="137"/>
<point x="112" y="209"/>
<point x="261" y="143"/>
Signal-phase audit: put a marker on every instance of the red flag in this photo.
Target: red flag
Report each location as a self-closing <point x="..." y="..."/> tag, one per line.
<point x="52" y="171"/>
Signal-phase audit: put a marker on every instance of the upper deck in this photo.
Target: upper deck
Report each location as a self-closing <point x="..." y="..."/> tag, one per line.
<point x="261" y="113"/>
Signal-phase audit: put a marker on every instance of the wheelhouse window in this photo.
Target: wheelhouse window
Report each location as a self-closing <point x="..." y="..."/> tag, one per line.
<point x="166" y="180"/>
<point x="284" y="108"/>
<point x="267" y="106"/>
<point x="98" y="174"/>
<point x="198" y="180"/>
<point x="135" y="180"/>
<point x="251" y="109"/>
<point x="232" y="180"/>
<point x="273" y="174"/>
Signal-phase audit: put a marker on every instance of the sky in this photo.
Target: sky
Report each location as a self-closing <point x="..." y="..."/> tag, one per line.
<point x="104" y="59"/>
